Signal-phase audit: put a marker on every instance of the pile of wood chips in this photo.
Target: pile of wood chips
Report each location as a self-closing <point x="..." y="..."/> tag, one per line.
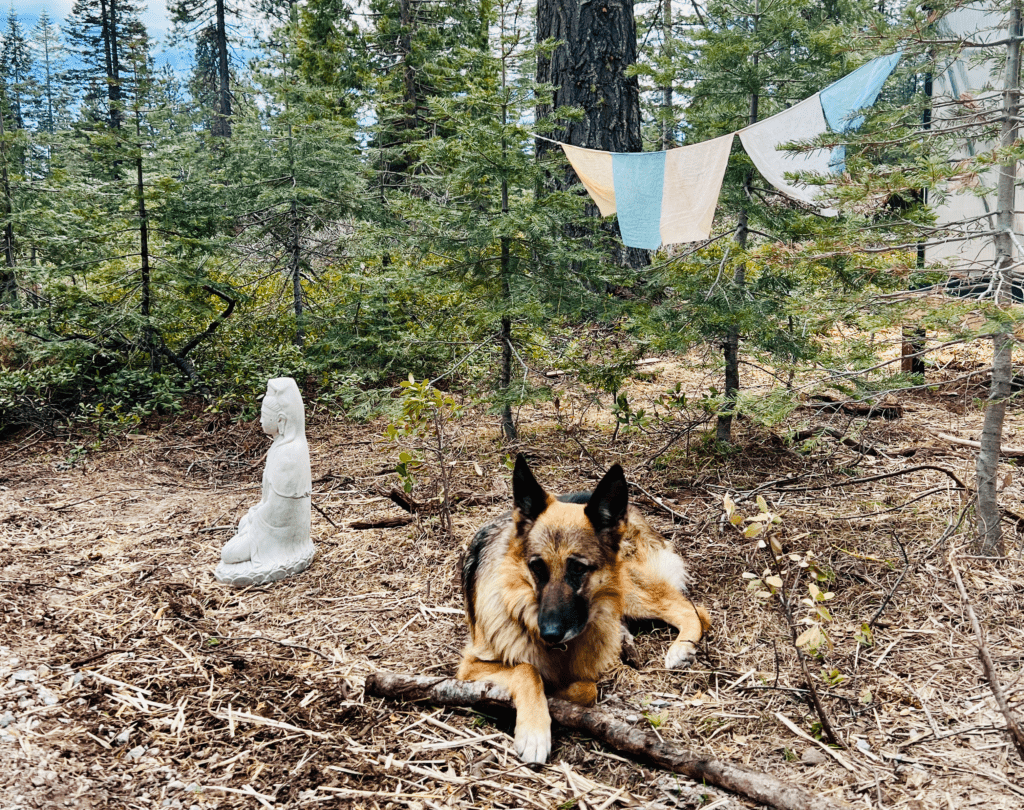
<point x="130" y="678"/>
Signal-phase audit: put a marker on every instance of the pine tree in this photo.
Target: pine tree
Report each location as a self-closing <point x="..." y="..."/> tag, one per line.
<point x="207" y="20"/>
<point x="964" y="158"/>
<point x="16" y="72"/>
<point x="99" y="33"/>
<point x="51" y="107"/>
<point x="296" y="175"/>
<point x="590" y="69"/>
<point x="474" y="231"/>
<point x="747" y="61"/>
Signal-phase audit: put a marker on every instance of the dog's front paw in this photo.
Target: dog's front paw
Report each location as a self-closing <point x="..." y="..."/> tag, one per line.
<point x="533" y="744"/>
<point x="681" y="655"/>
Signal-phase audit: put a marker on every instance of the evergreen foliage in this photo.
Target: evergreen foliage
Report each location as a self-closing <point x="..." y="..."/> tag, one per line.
<point x="380" y="208"/>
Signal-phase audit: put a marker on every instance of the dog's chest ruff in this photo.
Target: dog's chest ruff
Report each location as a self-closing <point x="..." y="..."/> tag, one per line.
<point x="506" y="613"/>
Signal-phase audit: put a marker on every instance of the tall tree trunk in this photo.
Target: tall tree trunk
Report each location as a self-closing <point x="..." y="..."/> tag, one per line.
<point x="222" y="121"/>
<point x="508" y="426"/>
<point x="296" y="274"/>
<point x="48" y="125"/>
<point x="668" y="111"/>
<point x="990" y="535"/>
<point x="409" y="101"/>
<point x="108" y="9"/>
<point x="731" y="347"/>
<point x="588" y="70"/>
<point x="146" y="308"/>
<point x="8" y="279"/>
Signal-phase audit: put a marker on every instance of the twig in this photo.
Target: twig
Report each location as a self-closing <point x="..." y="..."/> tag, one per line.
<point x="81" y="662"/>
<point x="275" y="641"/>
<point x="1009" y="452"/>
<point x="870" y="478"/>
<point x="804" y="735"/>
<point x="1012" y="726"/>
<point x="661" y="503"/>
<point x="853" y="444"/>
<point x="812" y="693"/>
<point x="610" y="730"/>
<point x="323" y="514"/>
<point x="382" y="523"/>
<point x="34" y="585"/>
<point x="906" y="568"/>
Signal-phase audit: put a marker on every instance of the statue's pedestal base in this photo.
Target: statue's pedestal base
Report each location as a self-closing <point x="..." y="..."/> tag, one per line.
<point x="248" y="573"/>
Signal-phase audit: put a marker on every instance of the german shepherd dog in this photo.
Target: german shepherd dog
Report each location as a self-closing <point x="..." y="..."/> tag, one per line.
<point x="546" y="590"/>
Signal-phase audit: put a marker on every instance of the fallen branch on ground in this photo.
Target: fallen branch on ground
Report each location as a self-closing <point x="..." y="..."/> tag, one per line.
<point x="841" y="437"/>
<point x="382" y="523"/>
<point x="848" y="481"/>
<point x="1012" y="726"/>
<point x="855" y="407"/>
<point x="1008" y="452"/>
<point x="645" y="746"/>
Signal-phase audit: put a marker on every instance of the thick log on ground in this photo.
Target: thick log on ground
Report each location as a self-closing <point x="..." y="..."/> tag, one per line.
<point x="642" y="745"/>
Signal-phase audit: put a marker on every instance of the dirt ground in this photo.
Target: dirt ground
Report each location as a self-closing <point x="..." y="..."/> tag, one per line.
<point x="130" y="678"/>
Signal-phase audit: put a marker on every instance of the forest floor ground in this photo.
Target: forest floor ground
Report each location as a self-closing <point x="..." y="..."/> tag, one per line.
<point x="130" y="678"/>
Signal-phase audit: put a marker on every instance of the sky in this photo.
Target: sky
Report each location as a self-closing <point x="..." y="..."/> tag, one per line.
<point x="155" y="18"/>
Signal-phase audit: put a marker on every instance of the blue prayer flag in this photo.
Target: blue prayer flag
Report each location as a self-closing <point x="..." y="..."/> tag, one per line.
<point x="639" y="179"/>
<point x="842" y="100"/>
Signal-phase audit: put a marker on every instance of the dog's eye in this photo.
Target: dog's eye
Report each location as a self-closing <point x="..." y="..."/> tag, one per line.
<point x="575" y="571"/>
<point x="539" y="569"/>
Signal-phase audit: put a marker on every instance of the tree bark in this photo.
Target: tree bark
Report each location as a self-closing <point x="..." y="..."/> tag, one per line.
<point x="108" y="12"/>
<point x="8" y="279"/>
<point x="222" y="121"/>
<point x="990" y="534"/>
<point x="668" y="111"/>
<point x="645" y="746"/>
<point x="149" y="333"/>
<point x="508" y="425"/>
<point x="731" y="346"/>
<point x="588" y="70"/>
<point x="296" y="274"/>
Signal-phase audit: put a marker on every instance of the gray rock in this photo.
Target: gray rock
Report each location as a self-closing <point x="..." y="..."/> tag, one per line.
<point x="24" y="675"/>
<point x="6" y="720"/>
<point x="136" y="752"/>
<point x="124" y="736"/>
<point x="77" y="679"/>
<point x="47" y="697"/>
<point x="813" y="756"/>
<point x="175" y="785"/>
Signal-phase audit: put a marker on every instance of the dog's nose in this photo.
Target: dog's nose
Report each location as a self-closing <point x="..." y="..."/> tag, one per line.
<point x="551" y="630"/>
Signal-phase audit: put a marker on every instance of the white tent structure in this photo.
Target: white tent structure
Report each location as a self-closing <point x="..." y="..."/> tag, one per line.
<point x="970" y="91"/>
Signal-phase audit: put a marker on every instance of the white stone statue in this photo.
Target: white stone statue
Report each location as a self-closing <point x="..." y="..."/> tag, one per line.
<point x="273" y="540"/>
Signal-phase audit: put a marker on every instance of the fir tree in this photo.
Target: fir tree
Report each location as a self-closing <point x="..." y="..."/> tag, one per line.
<point x="16" y="72"/>
<point x="207" y="20"/>
<point x="99" y="33"/>
<point x="747" y="61"/>
<point x="51" y="106"/>
<point x="296" y="177"/>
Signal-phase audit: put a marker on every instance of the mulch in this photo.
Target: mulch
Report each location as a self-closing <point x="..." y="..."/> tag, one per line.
<point x="130" y="678"/>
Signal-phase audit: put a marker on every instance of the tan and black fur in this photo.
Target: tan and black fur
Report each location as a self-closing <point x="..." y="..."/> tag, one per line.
<point x="547" y="587"/>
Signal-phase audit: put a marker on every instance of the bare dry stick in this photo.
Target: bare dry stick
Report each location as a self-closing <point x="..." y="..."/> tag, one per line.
<point x="812" y="693"/>
<point x="1010" y="452"/>
<point x="1012" y="726"/>
<point x="617" y="734"/>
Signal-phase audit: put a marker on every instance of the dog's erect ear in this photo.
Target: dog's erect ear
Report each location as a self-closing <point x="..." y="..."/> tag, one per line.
<point x="607" y="505"/>
<point x="529" y="497"/>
